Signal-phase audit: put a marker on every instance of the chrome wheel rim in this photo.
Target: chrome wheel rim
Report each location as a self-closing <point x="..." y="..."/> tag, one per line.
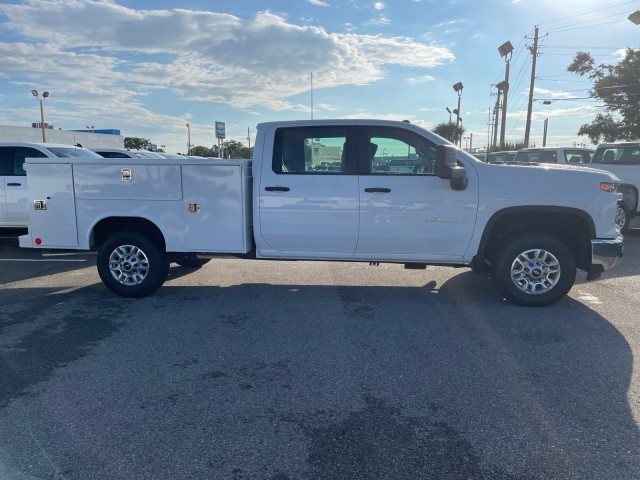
<point x="535" y="271"/>
<point x="128" y="265"/>
<point x="621" y="217"/>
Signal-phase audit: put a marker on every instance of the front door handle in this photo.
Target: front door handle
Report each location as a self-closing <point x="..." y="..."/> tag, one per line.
<point x="377" y="190"/>
<point x="13" y="184"/>
<point x="276" y="189"/>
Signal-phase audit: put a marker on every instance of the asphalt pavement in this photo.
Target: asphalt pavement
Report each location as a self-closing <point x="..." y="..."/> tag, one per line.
<point x="312" y="370"/>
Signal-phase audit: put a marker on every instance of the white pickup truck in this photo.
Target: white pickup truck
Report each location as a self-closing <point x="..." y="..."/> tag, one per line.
<point x="14" y="200"/>
<point x="623" y="160"/>
<point x="334" y="190"/>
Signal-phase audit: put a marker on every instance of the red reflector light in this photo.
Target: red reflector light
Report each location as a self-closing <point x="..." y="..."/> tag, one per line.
<point x="38" y="241"/>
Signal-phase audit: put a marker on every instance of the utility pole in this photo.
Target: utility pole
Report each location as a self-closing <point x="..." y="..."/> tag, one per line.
<point x="544" y="134"/>
<point x="534" y="52"/>
<point x="503" y="125"/>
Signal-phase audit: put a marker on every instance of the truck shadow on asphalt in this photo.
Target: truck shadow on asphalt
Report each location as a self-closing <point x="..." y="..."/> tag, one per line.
<point x="438" y="381"/>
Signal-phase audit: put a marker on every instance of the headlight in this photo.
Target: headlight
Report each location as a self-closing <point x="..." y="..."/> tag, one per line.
<point x="612" y="187"/>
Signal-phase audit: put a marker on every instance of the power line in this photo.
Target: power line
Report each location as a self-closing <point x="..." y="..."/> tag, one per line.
<point x="587" y="13"/>
<point x="599" y="88"/>
<point x="573" y="53"/>
<point x="580" y="98"/>
<point x="563" y="29"/>
<point x="543" y="79"/>
<point x="582" y="46"/>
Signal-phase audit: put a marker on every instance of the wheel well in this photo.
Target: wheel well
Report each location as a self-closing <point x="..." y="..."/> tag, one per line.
<point x="571" y="228"/>
<point x="111" y="225"/>
<point x="630" y="197"/>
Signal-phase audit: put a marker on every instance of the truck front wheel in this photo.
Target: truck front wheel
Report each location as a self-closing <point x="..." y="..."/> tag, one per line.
<point x="534" y="269"/>
<point x="623" y="217"/>
<point x="131" y="265"/>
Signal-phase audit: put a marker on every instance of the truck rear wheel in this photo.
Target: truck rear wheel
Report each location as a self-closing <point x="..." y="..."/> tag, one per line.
<point x="131" y="265"/>
<point x="534" y="269"/>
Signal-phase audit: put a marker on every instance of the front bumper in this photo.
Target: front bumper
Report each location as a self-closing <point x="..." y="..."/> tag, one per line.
<point x="605" y="254"/>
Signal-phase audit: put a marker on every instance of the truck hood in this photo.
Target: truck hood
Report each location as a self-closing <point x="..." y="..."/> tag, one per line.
<point x="548" y="171"/>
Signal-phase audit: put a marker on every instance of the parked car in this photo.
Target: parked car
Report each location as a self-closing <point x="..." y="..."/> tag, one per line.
<point x="14" y="200"/>
<point x="506" y="156"/>
<point x="554" y="155"/>
<point x="623" y="160"/>
<point x="125" y="153"/>
<point x="169" y="155"/>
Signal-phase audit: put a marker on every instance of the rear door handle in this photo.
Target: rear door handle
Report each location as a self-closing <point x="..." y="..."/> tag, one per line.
<point x="377" y="190"/>
<point x="276" y="189"/>
<point x="13" y="184"/>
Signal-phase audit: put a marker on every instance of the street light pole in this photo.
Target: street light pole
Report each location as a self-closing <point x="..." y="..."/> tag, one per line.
<point x="506" y="51"/>
<point x="449" y="110"/>
<point x="41" y="100"/>
<point x="458" y="89"/>
<point x="188" y="139"/>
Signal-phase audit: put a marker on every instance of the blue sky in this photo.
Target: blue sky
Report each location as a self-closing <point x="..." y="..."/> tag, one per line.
<point x="149" y="67"/>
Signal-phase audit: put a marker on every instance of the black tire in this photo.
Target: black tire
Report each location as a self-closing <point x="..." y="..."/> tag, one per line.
<point x="623" y="217"/>
<point x="191" y="262"/>
<point x="131" y="265"/>
<point x="534" y="269"/>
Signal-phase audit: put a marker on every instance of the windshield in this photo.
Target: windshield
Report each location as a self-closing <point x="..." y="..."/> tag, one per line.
<point x="618" y="155"/>
<point x="501" y="157"/>
<point x="546" y="156"/>
<point x="67" y="152"/>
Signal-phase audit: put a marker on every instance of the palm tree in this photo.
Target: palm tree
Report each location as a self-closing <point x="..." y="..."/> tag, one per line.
<point x="449" y="131"/>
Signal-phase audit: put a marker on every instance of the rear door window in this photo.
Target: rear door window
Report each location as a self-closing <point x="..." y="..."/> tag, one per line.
<point x="17" y="168"/>
<point x="6" y="160"/>
<point x="314" y="151"/>
<point x="576" y="156"/>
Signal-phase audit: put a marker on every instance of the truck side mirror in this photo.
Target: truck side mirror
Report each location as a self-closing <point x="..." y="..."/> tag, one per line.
<point x="447" y="167"/>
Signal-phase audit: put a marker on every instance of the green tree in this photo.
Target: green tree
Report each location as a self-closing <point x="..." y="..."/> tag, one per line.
<point x="508" y="146"/>
<point x="449" y="131"/>
<point x="618" y="87"/>
<point x="137" y="143"/>
<point x="233" y="149"/>
<point x="201" y="151"/>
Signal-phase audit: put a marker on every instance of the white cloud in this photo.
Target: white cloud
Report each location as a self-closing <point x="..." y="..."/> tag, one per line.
<point x="378" y="6"/>
<point x="318" y="3"/>
<point x="325" y="106"/>
<point x="379" y="21"/>
<point x="572" y="112"/>
<point x="555" y="93"/>
<point x="206" y="56"/>
<point x="422" y="79"/>
<point x="621" y="53"/>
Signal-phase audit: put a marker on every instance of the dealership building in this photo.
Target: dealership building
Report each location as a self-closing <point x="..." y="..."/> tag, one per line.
<point x="110" y="138"/>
